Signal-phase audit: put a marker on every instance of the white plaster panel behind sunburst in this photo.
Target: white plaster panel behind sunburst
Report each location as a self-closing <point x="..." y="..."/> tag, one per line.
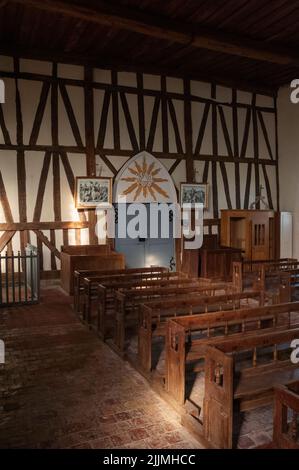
<point x="144" y="179"/>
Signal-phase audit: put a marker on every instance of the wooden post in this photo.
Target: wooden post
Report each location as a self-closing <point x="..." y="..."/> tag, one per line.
<point x="90" y="143"/>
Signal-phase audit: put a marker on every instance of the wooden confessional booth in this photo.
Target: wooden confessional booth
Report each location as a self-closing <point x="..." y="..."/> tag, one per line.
<point x="242" y="234"/>
<point x="255" y="232"/>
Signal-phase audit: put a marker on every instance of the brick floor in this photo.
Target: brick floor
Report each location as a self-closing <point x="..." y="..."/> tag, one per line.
<point x="61" y="387"/>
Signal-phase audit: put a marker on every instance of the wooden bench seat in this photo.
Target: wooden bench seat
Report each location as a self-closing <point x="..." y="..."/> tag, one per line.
<point x="184" y="345"/>
<point x="127" y="303"/>
<point x="80" y="275"/>
<point x="286" y="413"/>
<point x="107" y="306"/>
<point x="102" y="293"/>
<point x="144" y="280"/>
<point x="254" y="265"/>
<point x="275" y="272"/>
<point x="256" y="383"/>
<point x="153" y="315"/>
<point x="252" y="387"/>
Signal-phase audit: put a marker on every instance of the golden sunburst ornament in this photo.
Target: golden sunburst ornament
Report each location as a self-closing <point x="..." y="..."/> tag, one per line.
<point x="145" y="180"/>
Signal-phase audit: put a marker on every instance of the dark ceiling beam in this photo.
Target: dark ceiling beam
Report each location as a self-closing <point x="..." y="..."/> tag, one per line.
<point x="113" y="16"/>
<point x="121" y="65"/>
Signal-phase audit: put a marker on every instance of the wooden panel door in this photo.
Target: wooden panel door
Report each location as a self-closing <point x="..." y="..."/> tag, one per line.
<point x="260" y="236"/>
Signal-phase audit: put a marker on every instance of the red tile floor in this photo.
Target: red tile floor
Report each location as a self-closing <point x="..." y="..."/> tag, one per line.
<point x="61" y="387"/>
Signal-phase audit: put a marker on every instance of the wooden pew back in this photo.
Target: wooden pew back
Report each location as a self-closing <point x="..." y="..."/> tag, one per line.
<point x="79" y="275"/>
<point x="154" y="315"/>
<point x="92" y="291"/>
<point x="127" y="303"/>
<point x="181" y="332"/>
<point x="108" y="298"/>
<point x="254" y="265"/>
<point x="256" y="381"/>
<point x="90" y="284"/>
<point x="286" y="402"/>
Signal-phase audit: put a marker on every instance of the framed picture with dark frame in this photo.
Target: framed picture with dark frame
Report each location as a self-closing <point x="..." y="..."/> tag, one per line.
<point x="93" y="192"/>
<point x="192" y="193"/>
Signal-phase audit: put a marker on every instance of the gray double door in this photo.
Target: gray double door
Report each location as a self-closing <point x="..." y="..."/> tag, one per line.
<point x="143" y="251"/>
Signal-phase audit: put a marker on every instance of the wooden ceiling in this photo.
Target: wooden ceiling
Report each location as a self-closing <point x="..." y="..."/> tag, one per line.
<point x="246" y="43"/>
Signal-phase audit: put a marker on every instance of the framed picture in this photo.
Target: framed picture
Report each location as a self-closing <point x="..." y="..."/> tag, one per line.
<point x="93" y="192"/>
<point x="192" y="193"/>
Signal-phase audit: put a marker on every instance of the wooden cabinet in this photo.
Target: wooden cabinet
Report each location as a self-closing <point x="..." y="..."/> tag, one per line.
<point x="211" y="260"/>
<point x="216" y="263"/>
<point x="87" y="257"/>
<point x="256" y="232"/>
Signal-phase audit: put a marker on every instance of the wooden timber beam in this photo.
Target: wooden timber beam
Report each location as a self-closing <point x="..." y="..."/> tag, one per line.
<point x="121" y="65"/>
<point x="19" y="226"/>
<point x="5" y="239"/>
<point x="112" y="16"/>
<point x="48" y="243"/>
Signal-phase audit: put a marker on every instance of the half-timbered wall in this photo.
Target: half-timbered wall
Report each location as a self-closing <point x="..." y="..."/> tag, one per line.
<point x="60" y="121"/>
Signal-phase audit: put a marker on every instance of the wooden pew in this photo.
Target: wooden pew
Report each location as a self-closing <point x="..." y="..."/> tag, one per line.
<point x="288" y="285"/>
<point x="262" y="272"/>
<point x="242" y="373"/>
<point x="91" y="257"/>
<point x="112" y="283"/>
<point x="286" y="282"/>
<point x="286" y="401"/>
<point x="153" y="316"/>
<point x="79" y="276"/>
<point x="111" y="301"/>
<point x="187" y="337"/>
<point x="249" y="266"/>
<point x="128" y="302"/>
<point x="88" y="285"/>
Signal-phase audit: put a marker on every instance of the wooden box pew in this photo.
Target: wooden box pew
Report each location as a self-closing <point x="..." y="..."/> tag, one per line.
<point x="108" y="304"/>
<point x="128" y="301"/>
<point x="187" y="337"/>
<point x="286" y="414"/>
<point x="285" y="282"/>
<point x="240" y="374"/>
<point x="80" y="275"/>
<point x="81" y="257"/>
<point x="121" y="277"/>
<point x="249" y="266"/>
<point x="261" y="274"/>
<point x="153" y="315"/>
<point x="111" y="283"/>
<point x="288" y="286"/>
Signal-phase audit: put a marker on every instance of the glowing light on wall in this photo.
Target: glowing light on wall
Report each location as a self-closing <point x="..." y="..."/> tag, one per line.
<point x="74" y="213"/>
<point x="152" y="260"/>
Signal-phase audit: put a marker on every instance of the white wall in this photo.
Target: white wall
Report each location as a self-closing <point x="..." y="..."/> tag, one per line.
<point x="288" y="138"/>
